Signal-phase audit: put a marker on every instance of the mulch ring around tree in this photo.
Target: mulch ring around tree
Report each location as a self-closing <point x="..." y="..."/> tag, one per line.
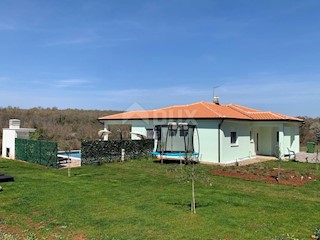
<point x="269" y="175"/>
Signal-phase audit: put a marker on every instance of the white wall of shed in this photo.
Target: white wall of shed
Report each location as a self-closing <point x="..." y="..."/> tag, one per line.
<point x="8" y="142"/>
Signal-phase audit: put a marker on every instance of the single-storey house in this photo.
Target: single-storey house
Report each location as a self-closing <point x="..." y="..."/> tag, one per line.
<point x="227" y="133"/>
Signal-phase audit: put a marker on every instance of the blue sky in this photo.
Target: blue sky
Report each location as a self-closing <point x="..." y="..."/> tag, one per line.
<point x="105" y="54"/>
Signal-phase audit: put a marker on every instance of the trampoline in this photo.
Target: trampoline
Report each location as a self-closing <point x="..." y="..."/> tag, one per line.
<point x="175" y="141"/>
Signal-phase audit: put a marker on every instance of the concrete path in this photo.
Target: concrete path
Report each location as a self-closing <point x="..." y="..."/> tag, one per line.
<point x="300" y="157"/>
<point x="256" y="159"/>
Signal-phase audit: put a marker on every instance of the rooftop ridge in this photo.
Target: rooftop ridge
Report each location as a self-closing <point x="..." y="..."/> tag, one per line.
<point x="277" y="115"/>
<point x="190" y="104"/>
<point x="236" y="108"/>
<point x="203" y="103"/>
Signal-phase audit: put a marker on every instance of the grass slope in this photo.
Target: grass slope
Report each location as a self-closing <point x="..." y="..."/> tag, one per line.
<point x="145" y="200"/>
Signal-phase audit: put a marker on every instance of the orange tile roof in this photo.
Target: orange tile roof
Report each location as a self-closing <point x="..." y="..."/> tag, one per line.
<point x="204" y="110"/>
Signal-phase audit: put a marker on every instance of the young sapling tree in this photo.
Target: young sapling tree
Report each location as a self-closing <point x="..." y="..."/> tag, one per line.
<point x="279" y="157"/>
<point x="67" y="148"/>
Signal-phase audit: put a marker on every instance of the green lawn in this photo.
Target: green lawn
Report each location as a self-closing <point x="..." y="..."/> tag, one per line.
<point x="146" y="200"/>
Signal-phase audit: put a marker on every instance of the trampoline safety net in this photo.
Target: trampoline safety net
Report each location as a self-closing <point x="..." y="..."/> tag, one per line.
<point x="175" y="138"/>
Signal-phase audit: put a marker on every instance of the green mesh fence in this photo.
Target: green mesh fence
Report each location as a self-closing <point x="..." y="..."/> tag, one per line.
<point x="39" y="152"/>
<point x="110" y="151"/>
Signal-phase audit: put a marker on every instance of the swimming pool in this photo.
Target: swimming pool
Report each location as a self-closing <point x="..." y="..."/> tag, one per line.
<point x="72" y="154"/>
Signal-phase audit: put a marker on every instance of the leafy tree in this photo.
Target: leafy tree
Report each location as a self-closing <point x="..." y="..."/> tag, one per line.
<point x="315" y="129"/>
<point x="57" y="125"/>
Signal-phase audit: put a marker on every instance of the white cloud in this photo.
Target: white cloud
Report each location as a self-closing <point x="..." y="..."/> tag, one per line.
<point x="71" y="41"/>
<point x="4" y="79"/>
<point x="70" y="83"/>
<point x="7" y="27"/>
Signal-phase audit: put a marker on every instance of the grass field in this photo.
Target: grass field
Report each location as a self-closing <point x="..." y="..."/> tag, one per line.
<point x="146" y="200"/>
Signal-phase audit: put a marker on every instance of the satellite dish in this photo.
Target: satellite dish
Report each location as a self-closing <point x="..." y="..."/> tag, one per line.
<point x="103" y="133"/>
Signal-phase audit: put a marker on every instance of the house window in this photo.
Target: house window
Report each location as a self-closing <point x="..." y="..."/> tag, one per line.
<point x="149" y="133"/>
<point x="251" y="136"/>
<point x="277" y="136"/>
<point x="233" y="137"/>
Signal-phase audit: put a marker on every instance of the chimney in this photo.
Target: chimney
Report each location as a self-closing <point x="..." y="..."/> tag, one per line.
<point x="216" y="100"/>
<point x="14" y="123"/>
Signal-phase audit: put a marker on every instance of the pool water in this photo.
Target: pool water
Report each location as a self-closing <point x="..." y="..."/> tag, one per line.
<point x="73" y="154"/>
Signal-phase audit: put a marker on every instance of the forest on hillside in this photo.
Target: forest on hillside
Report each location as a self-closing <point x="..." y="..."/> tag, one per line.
<point x="310" y="131"/>
<point x="71" y="126"/>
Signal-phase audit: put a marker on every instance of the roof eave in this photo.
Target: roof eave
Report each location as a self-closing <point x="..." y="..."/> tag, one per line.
<point x="206" y="118"/>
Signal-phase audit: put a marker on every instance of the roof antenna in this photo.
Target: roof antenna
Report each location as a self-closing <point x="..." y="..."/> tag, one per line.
<point x="215" y="98"/>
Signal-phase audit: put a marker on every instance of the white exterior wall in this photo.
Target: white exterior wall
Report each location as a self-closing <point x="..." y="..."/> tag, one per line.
<point x="9" y="140"/>
<point x="140" y="126"/>
<point x="291" y="138"/>
<point x="137" y="126"/>
<point x="243" y="148"/>
<point x="246" y="146"/>
<point x="208" y="137"/>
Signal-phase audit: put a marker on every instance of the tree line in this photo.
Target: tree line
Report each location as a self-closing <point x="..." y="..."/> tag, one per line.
<point x="52" y="124"/>
<point x="75" y="125"/>
<point x="310" y="130"/>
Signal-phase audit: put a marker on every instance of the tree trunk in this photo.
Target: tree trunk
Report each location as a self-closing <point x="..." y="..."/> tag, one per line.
<point x="279" y="169"/>
<point x="193" y="202"/>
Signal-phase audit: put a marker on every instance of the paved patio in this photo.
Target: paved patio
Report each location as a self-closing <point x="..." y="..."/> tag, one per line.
<point x="300" y="157"/>
<point x="307" y="157"/>
<point x="256" y="159"/>
<point x="72" y="163"/>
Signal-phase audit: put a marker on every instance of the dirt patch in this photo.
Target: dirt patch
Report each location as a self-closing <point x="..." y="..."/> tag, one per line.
<point x="36" y="230"/>
<point x="270" y="175"/>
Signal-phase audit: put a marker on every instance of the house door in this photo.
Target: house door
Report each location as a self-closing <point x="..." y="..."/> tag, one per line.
<point x="7" y="152"/>
<point x="264" y="140"/>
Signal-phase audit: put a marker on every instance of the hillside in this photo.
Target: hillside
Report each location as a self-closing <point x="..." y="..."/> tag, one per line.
<point x="72" y="125"/>
<point x="310" y="130"/>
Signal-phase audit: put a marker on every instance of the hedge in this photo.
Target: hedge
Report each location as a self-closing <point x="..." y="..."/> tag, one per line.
<point x="110" y="151"/>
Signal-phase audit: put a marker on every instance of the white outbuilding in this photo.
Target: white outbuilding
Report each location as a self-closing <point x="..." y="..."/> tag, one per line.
<point x="9" y="136"/>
